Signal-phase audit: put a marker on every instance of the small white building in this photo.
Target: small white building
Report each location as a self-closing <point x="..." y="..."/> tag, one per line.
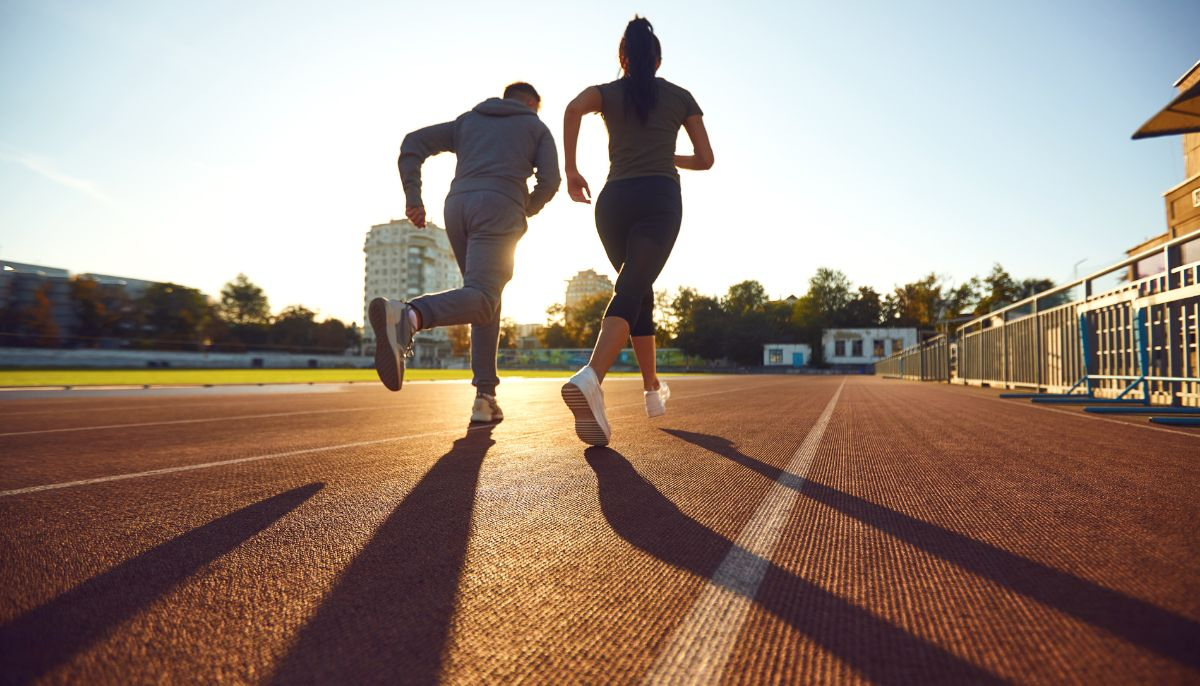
<point x="786" y="354"/>
<point x="864" y="346"/>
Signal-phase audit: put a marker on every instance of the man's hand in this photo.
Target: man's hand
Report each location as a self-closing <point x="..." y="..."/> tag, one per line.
<point x="577" y="186"/>
<point x="416" y="215"/>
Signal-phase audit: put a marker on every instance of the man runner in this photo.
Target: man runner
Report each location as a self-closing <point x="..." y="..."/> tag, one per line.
<point x="499" y="143"/>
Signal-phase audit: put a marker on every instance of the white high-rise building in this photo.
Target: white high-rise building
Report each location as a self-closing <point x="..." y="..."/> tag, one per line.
<point x="586" y="285"/>
<point x="403" y="262"/>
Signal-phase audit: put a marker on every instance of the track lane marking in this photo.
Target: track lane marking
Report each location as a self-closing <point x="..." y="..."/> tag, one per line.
<point x="219" y="463"/>
<point x="307" y="451"/>
<point x="171" y="422"/>
<point x="700" y="646"/>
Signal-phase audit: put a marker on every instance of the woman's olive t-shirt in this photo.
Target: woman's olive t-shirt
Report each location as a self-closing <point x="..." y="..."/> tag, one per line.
<point x="636" y="149"/>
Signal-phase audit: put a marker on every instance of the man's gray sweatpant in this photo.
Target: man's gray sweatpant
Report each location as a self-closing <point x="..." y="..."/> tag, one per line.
<point x="483" y="228"/>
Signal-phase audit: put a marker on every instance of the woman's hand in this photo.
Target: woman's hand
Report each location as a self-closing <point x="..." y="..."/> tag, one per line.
<point x="703" y="157"/>
<point x="577" y="187"/>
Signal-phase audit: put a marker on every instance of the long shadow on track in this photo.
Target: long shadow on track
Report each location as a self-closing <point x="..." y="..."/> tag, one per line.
<point x="387" y="619"/>
<point x="47" y="636"/>
<point x="1134" y="620"/>
<point x="882" y="652"/>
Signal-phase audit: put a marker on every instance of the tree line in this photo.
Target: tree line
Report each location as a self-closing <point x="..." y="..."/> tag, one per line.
<point x="731" y="327"/>
<point x="735" y="326"/>
<point x="168" y="316"/>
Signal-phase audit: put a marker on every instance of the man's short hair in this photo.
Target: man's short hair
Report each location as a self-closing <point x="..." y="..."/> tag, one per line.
<point x="521" y="88"/>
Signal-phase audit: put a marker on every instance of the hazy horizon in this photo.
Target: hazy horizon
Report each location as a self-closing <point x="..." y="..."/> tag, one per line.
<point x="191" y="143"/>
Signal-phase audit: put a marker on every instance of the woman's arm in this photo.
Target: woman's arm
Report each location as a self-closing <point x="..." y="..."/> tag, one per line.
<point x="702" y="154"/>
<point x="586" y="102"/>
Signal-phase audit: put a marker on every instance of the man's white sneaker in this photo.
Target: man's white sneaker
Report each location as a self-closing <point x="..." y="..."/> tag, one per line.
<point x="656" y="401"/>
<point x="485" y="409"/>
<point x="583" y="395"/>
<point x="393" y="339"/>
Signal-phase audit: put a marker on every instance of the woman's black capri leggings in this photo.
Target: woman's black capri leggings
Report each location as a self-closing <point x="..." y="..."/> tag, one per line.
<point x="638" y="221"/>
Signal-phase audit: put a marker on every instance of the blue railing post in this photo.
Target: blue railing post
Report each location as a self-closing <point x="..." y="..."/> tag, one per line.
<point x="1086" y="346"/>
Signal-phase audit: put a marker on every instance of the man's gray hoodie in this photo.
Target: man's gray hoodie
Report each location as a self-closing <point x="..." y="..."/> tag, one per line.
<point x="499" y="143"/>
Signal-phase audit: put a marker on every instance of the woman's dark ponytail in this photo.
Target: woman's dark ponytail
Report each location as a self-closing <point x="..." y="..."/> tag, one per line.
<point x="640" y="54"/>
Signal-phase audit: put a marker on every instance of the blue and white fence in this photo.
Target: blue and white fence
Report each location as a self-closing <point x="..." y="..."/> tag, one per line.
<point x="1131" y="330"/>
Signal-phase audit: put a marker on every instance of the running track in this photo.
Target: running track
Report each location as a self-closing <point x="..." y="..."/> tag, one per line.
<point x="767" y="530"/>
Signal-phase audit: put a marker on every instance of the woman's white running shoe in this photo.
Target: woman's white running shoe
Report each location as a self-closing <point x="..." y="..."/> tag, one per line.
<point x="656" y="401"/>
<point x="583" y="395"/>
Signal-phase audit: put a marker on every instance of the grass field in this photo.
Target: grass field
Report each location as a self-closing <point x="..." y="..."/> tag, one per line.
<point x="200" y="377"/>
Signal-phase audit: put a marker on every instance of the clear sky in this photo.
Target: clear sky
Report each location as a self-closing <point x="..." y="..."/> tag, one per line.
<point x="192" y="141"/>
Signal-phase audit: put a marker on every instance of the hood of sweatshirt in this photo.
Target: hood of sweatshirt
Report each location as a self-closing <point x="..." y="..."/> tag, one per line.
<point x="500" y="107"/>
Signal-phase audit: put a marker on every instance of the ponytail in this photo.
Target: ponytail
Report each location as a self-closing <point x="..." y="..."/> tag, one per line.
<point x="640" y="53"/>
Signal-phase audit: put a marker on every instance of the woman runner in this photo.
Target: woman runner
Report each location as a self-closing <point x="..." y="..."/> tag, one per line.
<point x="638" y="212"/>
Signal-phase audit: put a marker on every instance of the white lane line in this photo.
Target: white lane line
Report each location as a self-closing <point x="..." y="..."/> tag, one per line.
<point x="116" y="408"/>
<point x="309" y="451"/>
<point x="219" y="463"/>
<point x="700" y="646"/>
<point x="171" y="422"/>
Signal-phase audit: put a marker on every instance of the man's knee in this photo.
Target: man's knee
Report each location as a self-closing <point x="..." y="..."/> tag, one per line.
<point x="487" y="303"/>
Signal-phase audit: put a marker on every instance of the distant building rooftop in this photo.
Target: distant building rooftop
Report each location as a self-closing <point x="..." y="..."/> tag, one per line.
<point x="40" y="270"/>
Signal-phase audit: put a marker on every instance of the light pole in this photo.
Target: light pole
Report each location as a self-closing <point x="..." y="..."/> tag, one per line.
<point x="1075" y="269"/>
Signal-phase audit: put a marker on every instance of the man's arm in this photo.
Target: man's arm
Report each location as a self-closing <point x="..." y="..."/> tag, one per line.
<point x="417" y="146"/>
<point x="548" y="179"/>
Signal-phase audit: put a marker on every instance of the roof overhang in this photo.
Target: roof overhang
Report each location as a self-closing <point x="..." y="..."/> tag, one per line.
<point x="1181" y="115"/>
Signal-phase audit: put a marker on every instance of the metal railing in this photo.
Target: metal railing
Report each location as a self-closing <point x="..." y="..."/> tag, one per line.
<point x="927" y="361"/>
<point x="1139" y="339"/>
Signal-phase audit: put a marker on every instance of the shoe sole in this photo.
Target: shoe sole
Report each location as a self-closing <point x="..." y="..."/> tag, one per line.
<point x="390" y="371"/>
<point x="587" y="428"/>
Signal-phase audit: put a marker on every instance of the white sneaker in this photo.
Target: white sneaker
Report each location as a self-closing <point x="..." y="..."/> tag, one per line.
<point x="583" y="395"/>
<point x="656" y="401"/>
<point x="393" y="339"/>
<point x="485" y="409"/>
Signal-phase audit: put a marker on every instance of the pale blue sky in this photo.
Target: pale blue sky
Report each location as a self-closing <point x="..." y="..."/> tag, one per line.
<point x="192" y="141"/>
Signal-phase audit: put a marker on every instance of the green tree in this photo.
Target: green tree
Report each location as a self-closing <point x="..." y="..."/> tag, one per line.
<point x="864" y="310"/>
<point x="295" y="327"/>
<point x="333" y="337"/>
<point x="554" y="335"/>
<point x="574" y="327"/>
<point x="999" y="289"/>
<point x="174" y="315"/>
<point x="38" y="320"/>
<point x="700" y="324"/>
<point x="10" y="315"/>
<point x="779" y="314"/>
<point x="242" y="302"/>
<point x="584" y="320"/>
<point x="664" y="320"/>
<point x="460" y="338"/>
<point x="508" y="333"/>
<point x="807" y="322"/>
<point x="916" y="304"/>
<point x="829" y="290"/>
<point x="747" y="296"/>
<point x="92" y="319"/>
